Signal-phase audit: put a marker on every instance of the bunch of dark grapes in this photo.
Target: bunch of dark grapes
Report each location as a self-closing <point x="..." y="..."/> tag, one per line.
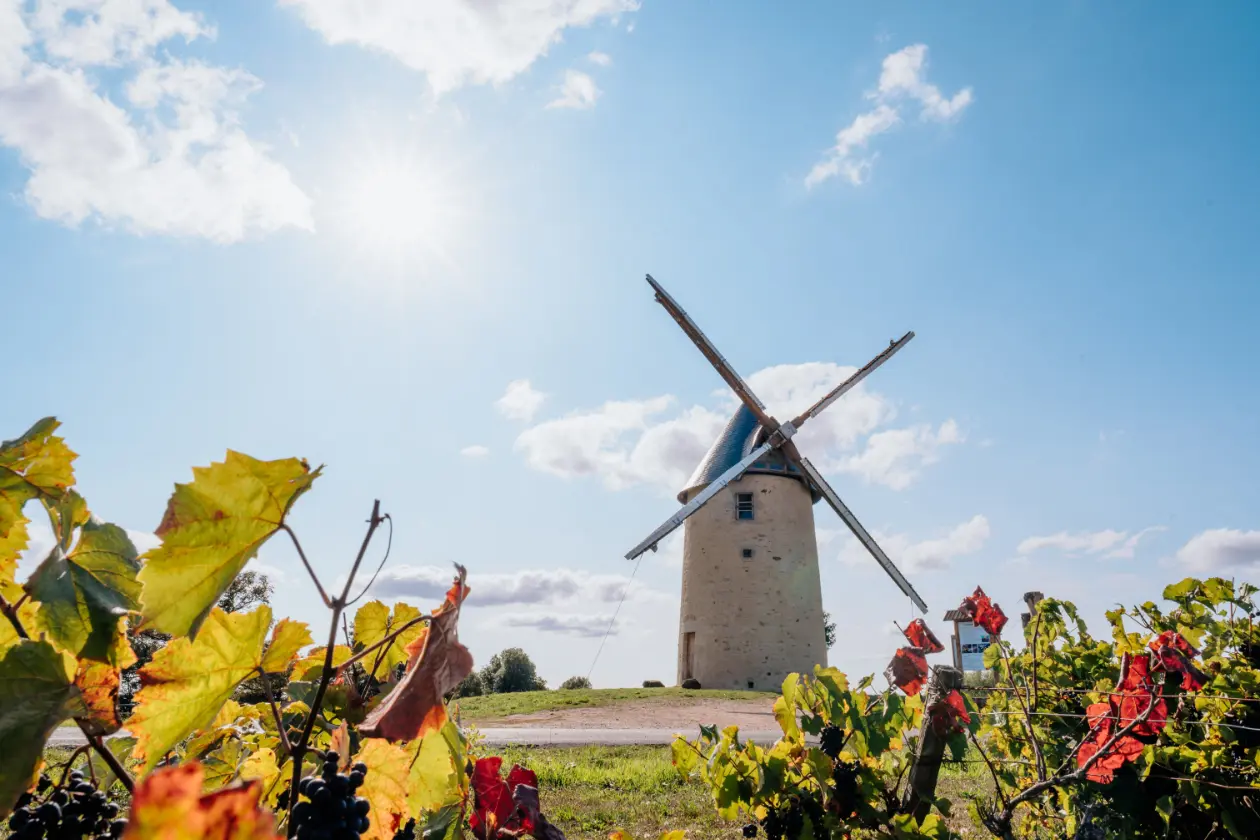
<point x="831" y="740"/>
<point x="844" y="777"/>
<point x="331" y="811"/>
<point x="74" y="812"/>
<point x="788" y="822"/>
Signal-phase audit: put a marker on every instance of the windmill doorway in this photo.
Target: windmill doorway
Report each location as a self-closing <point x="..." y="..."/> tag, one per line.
<point x="688" y="655"/>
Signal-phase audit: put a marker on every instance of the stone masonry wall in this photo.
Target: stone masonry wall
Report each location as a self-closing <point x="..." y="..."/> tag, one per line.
<point x="758" y="619"/>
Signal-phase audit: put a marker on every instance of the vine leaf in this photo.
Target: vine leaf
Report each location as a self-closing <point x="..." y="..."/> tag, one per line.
<point x="188" y="682"/>
<point x="86" y="594"/>
<point x="373" y="622"/>
<point x="908" y="670"/>
<point x="37" y="465"/>
<point x="169" y="805"/>
<point x="98" y="686"/>
<point x="36" y="689"/>
<point x="287" y="639"/>
<point x="385" y="786"/>
<point x="984" y="612"/>
<point x="211" y="529"/>
<point x="432" y="782"/>
<point x="438" y="663"/>
<point x="921" y="636"/>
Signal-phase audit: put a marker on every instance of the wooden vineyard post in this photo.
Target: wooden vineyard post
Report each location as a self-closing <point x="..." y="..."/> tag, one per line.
<point x="921" y="788"/>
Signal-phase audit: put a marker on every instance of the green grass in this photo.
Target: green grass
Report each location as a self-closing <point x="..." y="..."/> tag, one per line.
<point x="589" y="791"/>
<point x="528" y="702"/>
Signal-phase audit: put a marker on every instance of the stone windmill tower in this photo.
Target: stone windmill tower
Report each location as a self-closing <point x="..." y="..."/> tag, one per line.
<point x="751" y="595"/>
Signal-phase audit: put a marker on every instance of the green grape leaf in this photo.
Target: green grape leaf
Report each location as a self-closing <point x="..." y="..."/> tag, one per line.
<point x="371" y="623"/>
<point x="287" y="639"/>
<point x="36" y="689"/>
<point x="1175" y="591"/>
<point x="188" y="682"/>
<point x="85" y="595"/>
<point x="385" y="786"/>
<point x="211" y="529"/>
<point x="37" y="465"/>
<point x="431" y="781"/>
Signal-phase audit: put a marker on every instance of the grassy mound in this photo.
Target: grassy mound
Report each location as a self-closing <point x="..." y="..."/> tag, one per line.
<point x="495" y="706"/>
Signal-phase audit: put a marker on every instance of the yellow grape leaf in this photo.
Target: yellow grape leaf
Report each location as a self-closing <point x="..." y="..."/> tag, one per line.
<point x="169" y="805"/>
<point x="211" y="529"/>
<point x="98" y="686"/>
<point x="340" y="744"/>
<point x="311" y="666"/>
<point x="85" y="595"/>
<point x="287" y="639"/>
<point x="188" y="682"/>
<point x="385" y="786"/>
<point x="221" y="764"/>
<point x="431" y="782"/>
<point x="372" y="623"/>
<point x="36" y="687"/>
<point x="38" y="465"/>
<point x="262" y="765"/>
<point x="26" y="614"/>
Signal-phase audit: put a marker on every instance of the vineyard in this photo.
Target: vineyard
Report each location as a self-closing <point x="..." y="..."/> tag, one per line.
<point x="1153" y="732"/>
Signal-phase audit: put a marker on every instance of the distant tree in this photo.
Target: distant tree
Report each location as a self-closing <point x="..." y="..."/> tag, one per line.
<point x="470" y="686"/>
<point x="829" y="630"/>
<point x="576" y="682"/>
<point x="510" y="671"/>
<point x="247" y="591"/>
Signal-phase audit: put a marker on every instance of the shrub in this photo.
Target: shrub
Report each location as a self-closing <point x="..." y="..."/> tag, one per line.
<point x="576" y="682"/>
<point x="653" y="684"/>
<point x="511" y="671"/>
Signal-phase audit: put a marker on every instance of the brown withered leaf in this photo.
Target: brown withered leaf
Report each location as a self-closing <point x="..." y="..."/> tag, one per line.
<point x="437" y="663"/>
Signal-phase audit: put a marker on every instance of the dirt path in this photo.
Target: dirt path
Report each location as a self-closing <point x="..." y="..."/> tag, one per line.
<point x="660" y="713"/>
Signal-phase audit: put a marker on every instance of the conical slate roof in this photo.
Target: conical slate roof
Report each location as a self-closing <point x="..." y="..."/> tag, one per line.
<point x="741" y="436"/>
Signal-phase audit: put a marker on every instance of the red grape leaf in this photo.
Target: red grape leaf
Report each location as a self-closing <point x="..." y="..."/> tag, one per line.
<point x="437" y="663"/>
<point x="908" y="670"/>
<point x="169" y="805"/>
<point x="492" y="799"/>
<point x="1173" y="639"/>
<point x="922" y="637"/>
<point x="521" y="776"/>
<point x="984" y="613"/>
<point x="949" y="714"/>
<point x="532" y="820"/>
<point x="1173" y="654"/>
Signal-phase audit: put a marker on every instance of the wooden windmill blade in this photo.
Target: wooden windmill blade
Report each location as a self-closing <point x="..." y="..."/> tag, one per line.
<point x="857" y="528"/>
<point x="724" y="369"/>
<point x="861" y="373"/>
<point x="695" y="504"/>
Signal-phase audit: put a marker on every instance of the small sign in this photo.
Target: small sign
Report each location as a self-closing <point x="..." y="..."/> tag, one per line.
<point x="973" y="642"/>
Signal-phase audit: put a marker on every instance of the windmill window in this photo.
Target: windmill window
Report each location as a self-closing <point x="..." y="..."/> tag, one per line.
<point x="747" y="553"/>
<point x="744" y="506"/>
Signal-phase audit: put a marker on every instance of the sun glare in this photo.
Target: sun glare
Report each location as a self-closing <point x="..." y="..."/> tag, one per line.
<point x="402" y="212"/>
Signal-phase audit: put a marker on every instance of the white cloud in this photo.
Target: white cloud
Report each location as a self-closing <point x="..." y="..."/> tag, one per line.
<point x="172" y="159"/>
<point x="629" y="443"/>
<point x="623" y="443"/>
<point x="895" y="457"/>
<point x="520" y="401"/>
<point x="603" y="59"/>
<point x="456" y="42"/>
<point x="578" y="91"/>
<point x="936" y="553"/>
<point x="1108" y="543"/>
<point x="585" y="626"/>
<point x="528" y="586"/>
<point x="475" y="451"/>
<point x="1221" y="551"/>
<point x="901" y="78"/>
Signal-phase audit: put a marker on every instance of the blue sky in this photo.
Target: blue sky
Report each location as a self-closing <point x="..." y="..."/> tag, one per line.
<point x="288" y="230"/>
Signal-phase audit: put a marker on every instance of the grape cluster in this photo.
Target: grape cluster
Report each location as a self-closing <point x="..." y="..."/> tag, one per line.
<point x="788" y="822"/>
<point x="73" y="812"/>
<point x="831" y="740"/>
<point x="331" y="811"/>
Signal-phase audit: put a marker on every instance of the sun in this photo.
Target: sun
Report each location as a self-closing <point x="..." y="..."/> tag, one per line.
<point x="402" y="211"/>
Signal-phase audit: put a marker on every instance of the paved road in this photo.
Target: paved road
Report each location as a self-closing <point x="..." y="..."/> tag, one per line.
<point x="68" y="736"/>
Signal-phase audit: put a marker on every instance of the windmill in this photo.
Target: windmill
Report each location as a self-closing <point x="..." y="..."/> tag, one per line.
<point x="751" y="597"/>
